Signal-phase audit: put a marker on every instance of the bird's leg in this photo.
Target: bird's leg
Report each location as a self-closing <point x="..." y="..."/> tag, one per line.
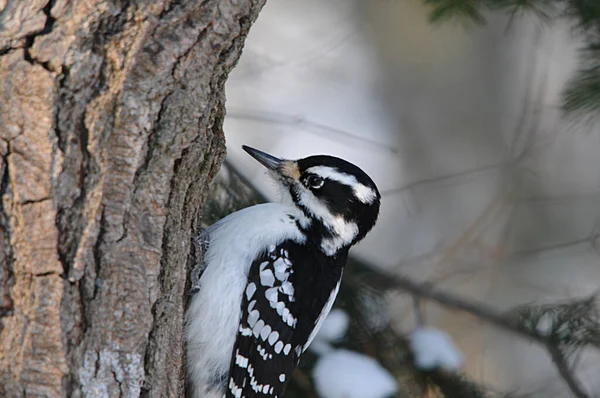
<point x="201" y="243"/>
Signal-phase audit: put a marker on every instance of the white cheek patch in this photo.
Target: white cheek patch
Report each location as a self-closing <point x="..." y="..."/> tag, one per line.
<point x="362" y="192"/>
<point x="344" y="231"/>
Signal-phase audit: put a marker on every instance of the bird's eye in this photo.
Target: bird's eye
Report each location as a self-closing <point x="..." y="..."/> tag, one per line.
<point x="314" y="182"/>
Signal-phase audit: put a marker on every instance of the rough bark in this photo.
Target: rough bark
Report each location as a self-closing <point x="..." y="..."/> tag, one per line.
<point x="110" y="131"/>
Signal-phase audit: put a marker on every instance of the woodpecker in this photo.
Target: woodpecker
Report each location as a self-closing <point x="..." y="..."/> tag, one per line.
<point x="270" y="275"/>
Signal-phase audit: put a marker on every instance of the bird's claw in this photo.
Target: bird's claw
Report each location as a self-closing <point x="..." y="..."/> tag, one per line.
<point x="201" y="243"/>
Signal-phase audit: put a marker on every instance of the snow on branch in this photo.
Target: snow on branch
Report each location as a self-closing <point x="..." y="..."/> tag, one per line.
<point x="341" y="373"/>
<point x="433" y="349"/>
<point x="514" y="322"/>
<point x="347" y="374"/>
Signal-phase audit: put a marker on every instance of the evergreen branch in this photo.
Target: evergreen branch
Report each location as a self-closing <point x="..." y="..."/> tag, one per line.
<point x="507" y="322"/>
<point x="570" y="325"/>
<point x="459" y="9"/>
<point x="544" y="10"/>
<point x="584" y="13"/>
<point x="581" y="95"/>
<point x="564" y="370"/>
<point x="453" y="385"/>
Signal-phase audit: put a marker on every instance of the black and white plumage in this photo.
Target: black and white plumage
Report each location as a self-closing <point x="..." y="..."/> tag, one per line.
<point x="270" y="276"/>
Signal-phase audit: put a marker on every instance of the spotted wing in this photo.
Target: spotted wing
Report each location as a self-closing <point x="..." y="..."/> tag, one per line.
<point x="264" y="357"/>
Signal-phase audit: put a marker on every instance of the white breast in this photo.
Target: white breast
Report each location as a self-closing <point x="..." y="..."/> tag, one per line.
<point x="212" y="318"/>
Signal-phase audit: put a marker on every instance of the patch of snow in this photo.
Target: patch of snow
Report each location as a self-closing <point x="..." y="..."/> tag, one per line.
<point x="334" y="327"/>
<point x="347" y="374"/>
<point x="434" y="348"/>
<point x="320" y="347"/>
<point x="545" y="324"/>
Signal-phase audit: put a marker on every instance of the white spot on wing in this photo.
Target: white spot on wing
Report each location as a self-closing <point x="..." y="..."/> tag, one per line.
<point x="251" y="306"/>
<point x="285" y="315"/>
<point x="287" y="348"/>
<point x="235" y="390"/>
<point x="278" y="347"/>
<point x="265" y="332"/>
<point x="258" y="327"/>
<point x="272" y="295"/>
<point x="287" y="288"/>
<point x="250" y="289"/>
<point x="245" y="331"/>
<point x="291" y="321"/>
<point x="282" y="377"/>
<point x="253" y="318"/>
<point x="281" y="275"/>
<point x="280" y="307"/>
<point x="241" y="360"/>
<point x="273" y="337"/>
<point x="281" y="269"/>
<point x="267" y="278"/>
<point x="262" y="352"/>
<point x="279" y="263"/>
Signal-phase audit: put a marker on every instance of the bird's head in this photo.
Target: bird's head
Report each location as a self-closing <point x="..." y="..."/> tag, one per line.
<point x="339" y="201"/>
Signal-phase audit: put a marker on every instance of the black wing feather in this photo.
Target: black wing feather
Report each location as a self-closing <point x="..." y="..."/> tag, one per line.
<point x="287" y="288"/>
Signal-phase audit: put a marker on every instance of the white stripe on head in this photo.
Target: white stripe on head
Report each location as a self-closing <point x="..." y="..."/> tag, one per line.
<point x="362" y="192"/>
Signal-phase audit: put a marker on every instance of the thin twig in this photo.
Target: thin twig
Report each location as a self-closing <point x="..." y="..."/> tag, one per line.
<point x="564" y="370"/>
<point x="482" y="311"/>
<point x="309" y="126"/>
<point x="417" y="310"/>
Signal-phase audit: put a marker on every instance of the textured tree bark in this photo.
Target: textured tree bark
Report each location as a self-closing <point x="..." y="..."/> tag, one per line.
<point x="110" y="131"/>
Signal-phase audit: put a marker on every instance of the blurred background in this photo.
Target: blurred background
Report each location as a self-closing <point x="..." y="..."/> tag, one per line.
<point x="489" y="193"/>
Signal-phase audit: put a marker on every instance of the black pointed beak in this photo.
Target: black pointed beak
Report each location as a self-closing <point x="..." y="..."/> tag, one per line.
<point x="269" y="161"/>
<point x="287" y="170"/>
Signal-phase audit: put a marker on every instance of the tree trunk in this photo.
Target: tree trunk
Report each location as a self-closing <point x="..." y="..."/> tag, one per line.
<point x="111" y="119"/>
